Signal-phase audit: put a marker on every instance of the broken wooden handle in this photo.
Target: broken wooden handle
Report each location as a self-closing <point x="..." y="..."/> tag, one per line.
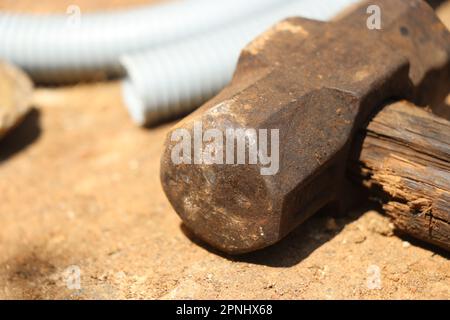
<point x="405" y="162"/>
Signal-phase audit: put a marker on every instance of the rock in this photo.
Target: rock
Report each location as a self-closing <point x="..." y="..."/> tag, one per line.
<point x="406" y="244"/>
<point x="380" y="225"/>
<point x="331" y="224"/>
<point x="16" y="91"/>
<point x="359" y="238"/>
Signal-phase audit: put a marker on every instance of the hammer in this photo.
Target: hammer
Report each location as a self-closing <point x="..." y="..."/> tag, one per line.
<point x="312" y="86"/>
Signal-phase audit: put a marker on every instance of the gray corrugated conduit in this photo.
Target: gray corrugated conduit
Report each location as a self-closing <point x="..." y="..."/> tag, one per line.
<point x="51" y="48"/>
<point x="174" y="79"/>
<point x="175" y="55"/>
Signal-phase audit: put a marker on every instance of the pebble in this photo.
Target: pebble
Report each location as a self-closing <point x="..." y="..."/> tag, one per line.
<point x="331" y="225"/>
<point x="359" y="238"/>
<point x="380" y="225"/>
<point x="16" y="91"/>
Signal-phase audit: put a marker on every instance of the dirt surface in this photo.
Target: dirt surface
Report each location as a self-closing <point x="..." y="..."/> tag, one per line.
<point x="80" y="192"/>
<point x="60" y="6"/>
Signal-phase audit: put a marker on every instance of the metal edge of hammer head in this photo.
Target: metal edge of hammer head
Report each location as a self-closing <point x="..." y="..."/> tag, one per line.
<point x="316" y="83"/>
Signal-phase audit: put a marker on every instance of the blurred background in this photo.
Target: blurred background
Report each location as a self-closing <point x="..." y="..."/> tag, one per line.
<point x="79" y="170"/>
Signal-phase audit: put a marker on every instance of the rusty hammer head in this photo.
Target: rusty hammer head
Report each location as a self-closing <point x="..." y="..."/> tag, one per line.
<point x="309" y="86"/>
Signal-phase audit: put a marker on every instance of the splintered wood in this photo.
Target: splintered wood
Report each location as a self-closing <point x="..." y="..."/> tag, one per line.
<point x="405" y="161"/>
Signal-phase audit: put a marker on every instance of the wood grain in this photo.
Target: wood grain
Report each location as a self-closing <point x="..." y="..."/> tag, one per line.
<point x="405" y="161"/>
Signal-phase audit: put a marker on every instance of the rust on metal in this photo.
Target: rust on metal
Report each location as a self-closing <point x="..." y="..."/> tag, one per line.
<point x="317" y="83"/>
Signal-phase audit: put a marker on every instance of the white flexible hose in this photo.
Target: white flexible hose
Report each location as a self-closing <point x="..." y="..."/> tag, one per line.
<point x="174" y="79"/>
<point x="52" y="50"/>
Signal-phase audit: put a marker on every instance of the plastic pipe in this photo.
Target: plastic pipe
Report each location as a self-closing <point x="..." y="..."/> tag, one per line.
<point x="61" y="48"/>
<point x="175" y="79"/>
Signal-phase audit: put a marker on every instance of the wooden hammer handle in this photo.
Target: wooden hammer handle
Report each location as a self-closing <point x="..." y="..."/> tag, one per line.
<point x="405" y="161"/>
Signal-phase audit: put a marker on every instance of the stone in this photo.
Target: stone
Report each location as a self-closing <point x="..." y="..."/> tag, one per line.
<point x="16" y="91"/>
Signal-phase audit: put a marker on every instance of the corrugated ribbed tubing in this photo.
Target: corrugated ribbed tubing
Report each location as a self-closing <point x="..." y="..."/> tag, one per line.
<point x="174" y="79"/>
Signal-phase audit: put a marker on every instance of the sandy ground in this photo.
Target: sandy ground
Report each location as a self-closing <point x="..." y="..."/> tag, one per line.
<point x="60" y="6"/>
<point x="80" y="192"/>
